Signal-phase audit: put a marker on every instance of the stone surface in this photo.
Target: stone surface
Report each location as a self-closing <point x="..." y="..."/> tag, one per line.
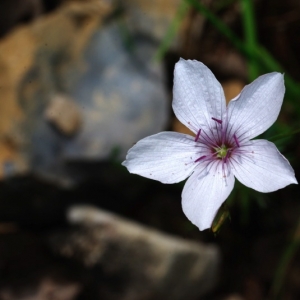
<point x="64" y="114"/>
<point x="117" y="92"/>
<point x="150" y="18"/>
<point x="136" y="262"/>
<point x="122" y="95"/>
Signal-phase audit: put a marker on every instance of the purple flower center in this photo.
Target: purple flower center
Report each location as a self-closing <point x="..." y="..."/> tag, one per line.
<point x="217" y="143"/>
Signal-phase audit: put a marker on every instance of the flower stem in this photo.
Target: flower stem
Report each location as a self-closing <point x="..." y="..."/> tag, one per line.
<point x="283" y="135"/>
<point x="171" y="31"/>
<point x="250" y="36"/>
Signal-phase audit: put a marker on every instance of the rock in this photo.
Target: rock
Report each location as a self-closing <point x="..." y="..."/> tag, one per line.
<point x="52" y="46"/>
<point x="113" y="95"/>
<point x="64" y="114"/>
<point x="122" y="95"/>
<point x="136" y="262"/>
<point x="150" y="18"/>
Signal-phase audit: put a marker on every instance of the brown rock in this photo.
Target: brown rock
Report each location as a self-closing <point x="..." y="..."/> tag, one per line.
<point x="112" y="93"/>
<point x="151" y="18"/>
<point x="64" y="114"/>
<point x="69" y="28"/>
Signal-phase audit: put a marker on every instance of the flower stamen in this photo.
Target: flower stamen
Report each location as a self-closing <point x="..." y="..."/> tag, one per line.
<point x="217" y="120"/>
<point x="202" y="157"/>
<point x="236" y="140"/>
<point x="209" y="140"/>
<point x="197" y="136"/>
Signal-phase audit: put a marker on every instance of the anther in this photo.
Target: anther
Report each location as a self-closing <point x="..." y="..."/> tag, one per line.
<point x="198" y="135"/>
<point x="217" y="120"/>
<point x="236" y="140"/>
<point x="198" y="159"/>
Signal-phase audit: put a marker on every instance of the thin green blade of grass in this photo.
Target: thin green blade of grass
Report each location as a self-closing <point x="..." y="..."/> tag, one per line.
<point x="250" y="36"/>
<point x="280" y="136"/>
<point x="171" y="31"/>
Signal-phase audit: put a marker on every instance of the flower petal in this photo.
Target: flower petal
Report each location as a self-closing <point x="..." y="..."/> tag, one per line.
<point x="262" y="167"/>
<point x="257" y="107"/>
<point x="197" y="95"/>
<point x="204" y="193"/>
<point x="168" y="157"/>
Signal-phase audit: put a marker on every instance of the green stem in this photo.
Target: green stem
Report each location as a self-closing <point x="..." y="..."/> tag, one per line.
<point x="250" y="36"/>
<point x="171" y="32"/>
<point x="283" y="135"/>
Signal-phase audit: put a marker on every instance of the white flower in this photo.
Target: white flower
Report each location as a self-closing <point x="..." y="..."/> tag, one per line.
<point x="222" y="148"/>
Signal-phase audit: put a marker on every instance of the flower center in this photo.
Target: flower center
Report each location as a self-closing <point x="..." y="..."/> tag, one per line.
<point x="218" y="143"/>
<point x="222" y="151"/>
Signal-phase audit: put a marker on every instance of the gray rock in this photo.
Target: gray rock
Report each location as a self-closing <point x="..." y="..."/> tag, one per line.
<point x="150" y="18"/>
<point x="116" y="94"/>
<point x="122" y="96"/>
<point x="137" y="262"/>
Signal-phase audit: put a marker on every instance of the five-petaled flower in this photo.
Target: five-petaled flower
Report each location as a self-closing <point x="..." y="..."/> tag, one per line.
<point x="222" y="148"/>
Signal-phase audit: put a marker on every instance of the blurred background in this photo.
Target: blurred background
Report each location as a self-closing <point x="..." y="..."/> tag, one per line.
<point x="81" y="81"/>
